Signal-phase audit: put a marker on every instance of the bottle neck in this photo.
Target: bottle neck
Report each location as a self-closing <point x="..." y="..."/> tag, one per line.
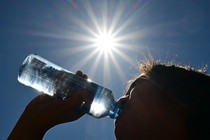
<point x="116" y="110"/>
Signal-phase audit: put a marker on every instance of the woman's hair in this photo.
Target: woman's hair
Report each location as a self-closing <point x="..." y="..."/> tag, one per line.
<point x="186" y="86"/>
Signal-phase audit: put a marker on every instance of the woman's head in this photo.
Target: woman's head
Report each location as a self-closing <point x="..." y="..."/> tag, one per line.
<point x="166" y="102"/>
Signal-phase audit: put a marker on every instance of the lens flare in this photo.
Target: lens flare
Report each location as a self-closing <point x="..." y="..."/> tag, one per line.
<point x="105" y="42"/>
<point x="100" y="35"/>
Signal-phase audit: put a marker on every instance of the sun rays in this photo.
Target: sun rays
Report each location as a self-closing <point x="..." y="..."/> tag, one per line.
<point x="105" y="39"/>
<point x="101" y="35"/>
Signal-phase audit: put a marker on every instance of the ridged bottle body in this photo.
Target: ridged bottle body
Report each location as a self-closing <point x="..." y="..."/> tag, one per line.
<point x="58" y="82"/>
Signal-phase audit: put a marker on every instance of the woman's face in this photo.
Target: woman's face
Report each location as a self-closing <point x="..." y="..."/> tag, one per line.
<point x="150" y="114"/>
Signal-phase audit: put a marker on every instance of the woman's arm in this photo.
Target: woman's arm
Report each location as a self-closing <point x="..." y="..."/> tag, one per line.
<point x="44" y="112"/>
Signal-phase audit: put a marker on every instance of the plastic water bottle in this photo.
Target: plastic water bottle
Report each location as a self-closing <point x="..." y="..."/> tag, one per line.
<point x="58" y="82"/>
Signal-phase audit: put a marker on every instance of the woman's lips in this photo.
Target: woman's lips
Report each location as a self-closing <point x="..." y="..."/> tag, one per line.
<point x="122" y="101"/>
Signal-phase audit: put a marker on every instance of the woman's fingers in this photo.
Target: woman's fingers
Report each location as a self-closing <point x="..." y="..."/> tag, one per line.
<point x="81" y="74"/>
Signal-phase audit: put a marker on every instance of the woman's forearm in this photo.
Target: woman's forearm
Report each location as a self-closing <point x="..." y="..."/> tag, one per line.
<point x="27" y="129"/>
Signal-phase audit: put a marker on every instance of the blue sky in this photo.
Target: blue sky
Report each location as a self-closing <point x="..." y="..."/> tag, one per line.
<point x="61" y="31"/>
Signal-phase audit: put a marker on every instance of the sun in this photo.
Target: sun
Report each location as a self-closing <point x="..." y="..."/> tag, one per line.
<point x="104" y="34"/>
<point x="105" y="42"/>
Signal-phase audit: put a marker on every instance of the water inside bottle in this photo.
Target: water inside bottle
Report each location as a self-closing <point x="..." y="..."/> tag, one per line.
<point x="53" y="80"/>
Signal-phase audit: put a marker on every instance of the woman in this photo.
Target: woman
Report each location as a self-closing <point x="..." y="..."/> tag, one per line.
<point x="162" y="103"/>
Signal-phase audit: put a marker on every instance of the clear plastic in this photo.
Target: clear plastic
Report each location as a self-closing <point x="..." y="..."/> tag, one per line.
<point x="58" y="82"/>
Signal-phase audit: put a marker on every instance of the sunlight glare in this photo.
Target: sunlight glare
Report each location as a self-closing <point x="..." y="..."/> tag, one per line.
<point x="97" y="108"/>
<point x="105" y="42"/>
<point x="101" y="36"/>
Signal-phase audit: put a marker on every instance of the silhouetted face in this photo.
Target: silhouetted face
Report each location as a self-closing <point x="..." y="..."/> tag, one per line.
<point x="150" y="114"/>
